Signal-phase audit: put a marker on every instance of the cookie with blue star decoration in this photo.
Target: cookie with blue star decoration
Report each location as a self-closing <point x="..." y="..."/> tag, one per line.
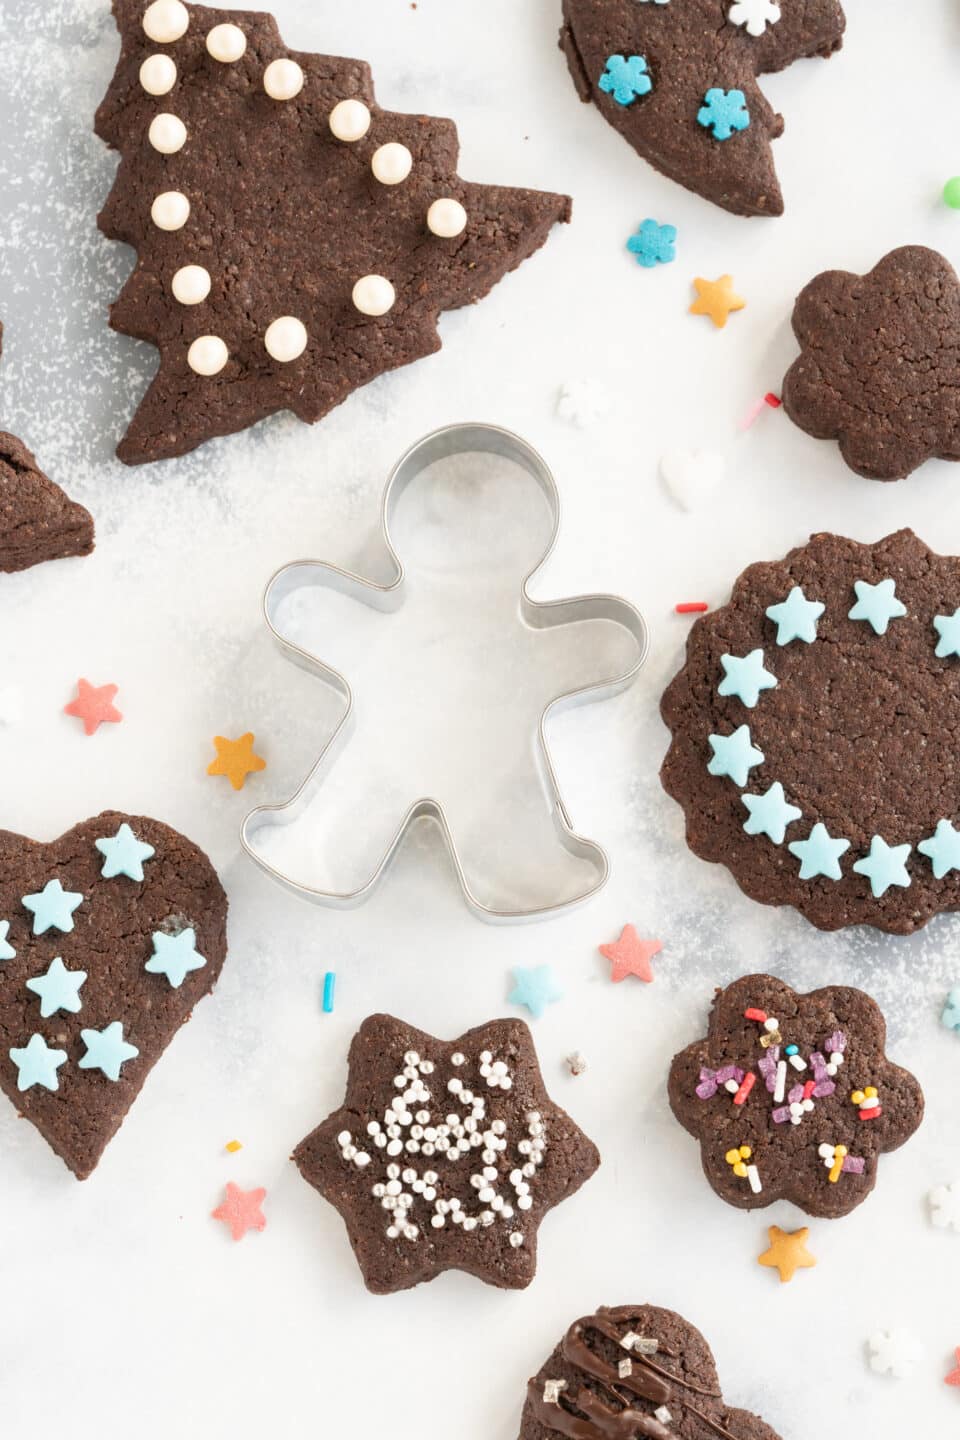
<point x="679" y="82"/>
<point x="83" y="1016"/>
<point x="841" y="796"/>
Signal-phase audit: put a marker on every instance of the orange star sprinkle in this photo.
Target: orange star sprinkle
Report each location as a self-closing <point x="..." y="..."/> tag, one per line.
<point x="631" y="956"/>
<point x="235" y="759"/>
<point x="241" y="1210"/>
<point x="954" y="1377"/>
<point x="716" y="298"/>
<point x="788" y="1252"/>
<point x="94" y="706"/>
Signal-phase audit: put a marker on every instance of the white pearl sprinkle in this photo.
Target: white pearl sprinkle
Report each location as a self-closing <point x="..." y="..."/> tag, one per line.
<point x="391" y="164"/>
<point x="447" y="219"/>
<point x="167" y="134"/>
<point x="158" y="74"/>
<point x="207" y="355"/>
<point x="227" y="43"/>
<point x="283" y="79"/>
<point x="349" y="120"/>
<point x="286" y="339"/>
<point x="458" y="1059"/>
<point x="170" y="210"/>
<point x="516" y="1239"/>
<point x="165" y="21"/>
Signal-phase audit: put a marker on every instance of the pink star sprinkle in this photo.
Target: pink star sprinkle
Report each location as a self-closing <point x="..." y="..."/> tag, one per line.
<point x="954" y="1377"/>
<point x="94" y="706"/>
<point x="631" y="956"/>
<point x="241" y="1210"/>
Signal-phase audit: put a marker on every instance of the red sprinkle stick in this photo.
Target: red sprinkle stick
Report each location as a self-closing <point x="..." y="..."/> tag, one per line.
<point x="772" y="400"/>
<point x="692" y="607"/>
<point x="759" y="1015"/>
<point x="748" y="1083"/>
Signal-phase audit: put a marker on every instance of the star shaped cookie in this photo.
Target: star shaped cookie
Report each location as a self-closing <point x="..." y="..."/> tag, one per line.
<point x="445" y="1155"/>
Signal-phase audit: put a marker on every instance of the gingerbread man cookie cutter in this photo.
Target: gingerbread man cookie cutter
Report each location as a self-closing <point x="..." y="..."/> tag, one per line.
<point x="388" y="597"/>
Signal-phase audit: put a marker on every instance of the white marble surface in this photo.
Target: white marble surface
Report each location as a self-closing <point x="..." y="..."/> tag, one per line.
<point x="122" y="1306"/>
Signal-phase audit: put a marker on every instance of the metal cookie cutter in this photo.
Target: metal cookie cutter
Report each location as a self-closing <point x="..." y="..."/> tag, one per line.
<point x="443" y="444"/>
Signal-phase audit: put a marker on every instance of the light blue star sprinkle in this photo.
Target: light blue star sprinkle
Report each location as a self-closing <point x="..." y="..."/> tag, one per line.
<point x="770" y="814"/>
<point x="877" y="604"/>
<point x="796" y="617"/>
<point x="7" y="951"/>
<point x="734" y="755"/>
<point x="38" y="1064"/>
<point x="745" y="677"/>
<point x="52" y="908"/>
<point x="885" y="865"/>
<point x="124" y="854"/>
<point x="175" y="956"/>
<point x="535" y="987"/>
<point x="106" y="1050"/>
<point x="59" y="989"/>
<point x="819" y="854"/>
<point x="942" y="848"/>
<point x="951" y="1011"/>
<point x="948" y="628"/>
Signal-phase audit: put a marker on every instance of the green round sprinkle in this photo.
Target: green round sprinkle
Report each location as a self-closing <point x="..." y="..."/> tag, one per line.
<point x="951" y="193"/>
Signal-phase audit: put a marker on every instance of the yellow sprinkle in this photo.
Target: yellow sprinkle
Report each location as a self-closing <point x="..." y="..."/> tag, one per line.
<point x="740" y="1170"/>
<point x="745" y="1152"/>
<point x="233" y="1146"/>
<point x="858" y="1097"/>
<point x="733" y="1156"/>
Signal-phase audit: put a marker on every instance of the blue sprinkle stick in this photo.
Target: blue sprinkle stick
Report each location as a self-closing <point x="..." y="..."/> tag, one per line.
<point x="329" y="990"/>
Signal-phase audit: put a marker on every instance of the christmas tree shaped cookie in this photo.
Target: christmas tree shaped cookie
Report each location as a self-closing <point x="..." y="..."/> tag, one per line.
<point x="294" y="240"/>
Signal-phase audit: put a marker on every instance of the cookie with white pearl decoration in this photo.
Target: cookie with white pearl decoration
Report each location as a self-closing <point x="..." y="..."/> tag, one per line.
<point x="294" y="240"/>
<point x="445" y="1155"/>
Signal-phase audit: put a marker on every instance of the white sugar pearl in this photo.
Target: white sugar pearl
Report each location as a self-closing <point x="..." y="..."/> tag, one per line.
<point x="167" y="134"/>
<point x="446" y="218"/>
<point x="286" y="339"/>
<point x="391" y="164"/>
<point x="458" y="1059"/>
<point x="516" y="1239"/>
<point x="344" y="1138"/>
<point x="158" y="74"/>
<point x="170" y="211"/>
<point x="771" y="1025"/>
<point x="524" y="1202"/>
<point x="437" y="1221"/>
<point x="207" y="355"/>
<point x="374" y="295"/>
<point x="283" y="79"/>
<point x="362" y="1158"/>
<point x="166" y="20"/>
<point x="227" y="43"/>
<point x="349" y="120"/>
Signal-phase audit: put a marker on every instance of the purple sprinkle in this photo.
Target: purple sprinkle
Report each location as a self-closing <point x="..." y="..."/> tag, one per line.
<point x="854" y="1166"/>
<point x="823" y="1089"/>
<point x="768" y="1067"/>
<point x="729" y="1072"/>
<point x="781" y="1116"/>
<point x="795" y="1095"/>
<point x="818" y="1065"/>
<point x="836" y="1043"/>
<point x="707" y="1089"/>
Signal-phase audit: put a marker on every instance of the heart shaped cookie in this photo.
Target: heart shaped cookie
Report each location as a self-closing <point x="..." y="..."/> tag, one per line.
<point x="108" y="938"/>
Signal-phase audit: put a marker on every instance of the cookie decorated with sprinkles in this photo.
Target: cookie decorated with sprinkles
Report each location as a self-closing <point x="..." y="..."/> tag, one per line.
<point x="294" y="240"/>
<point x="445" y="1156"/>
<point x="633" y="1370"/>
<point x="108" y="938"/>
<point x="678" y="80"/>
<point x="815" y="727"/>
<point x="792" y="1096"/>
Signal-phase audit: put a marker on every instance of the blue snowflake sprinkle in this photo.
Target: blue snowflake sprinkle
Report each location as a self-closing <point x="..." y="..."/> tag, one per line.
<point x="724" y="112"/>
<point x="626" y="80"/>
<point x="653" y="244"/>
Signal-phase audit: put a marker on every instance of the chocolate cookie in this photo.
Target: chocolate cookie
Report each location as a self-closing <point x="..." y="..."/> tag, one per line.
<point x="792" y="1096"/>
<point x="679" y="81"/>
<point x="815" y="729"/>
<point x="294" y="240"/>
<point x="108" y="938"/>
<point x="879" y="364"/>
<point x="633" y="1371"/>
<point x="445" y="1156"/>
<point x="37" y="521"/>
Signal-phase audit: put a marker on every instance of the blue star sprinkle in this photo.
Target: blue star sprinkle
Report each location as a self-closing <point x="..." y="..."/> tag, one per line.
<point x="38" y="1064"/>
<point x="175" y="956"/>
<point x="626" y="80"/>
<point x="52" y="908"/>
<point x="770" y="814"/>
<point x="124" y="854"/>
<point x="7" y="951"/>
<point x="724" y="112"/>
<point x="948" y="628"/>
<point x="796" y="617"/>
<point x="943" y="849"/>
<point x="59" y="989"/>
<point x="745" y="677"/>
<point x="885" y="865"/>
<point x="536" y="988"/>
<point x="951" y="1011"/>
<point x="819" y="854"/>
<point x="877" y="604"/>
<point x="653" y="244"/>
<point x="734" y="755"/>
<point x="106" y="1050"/>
